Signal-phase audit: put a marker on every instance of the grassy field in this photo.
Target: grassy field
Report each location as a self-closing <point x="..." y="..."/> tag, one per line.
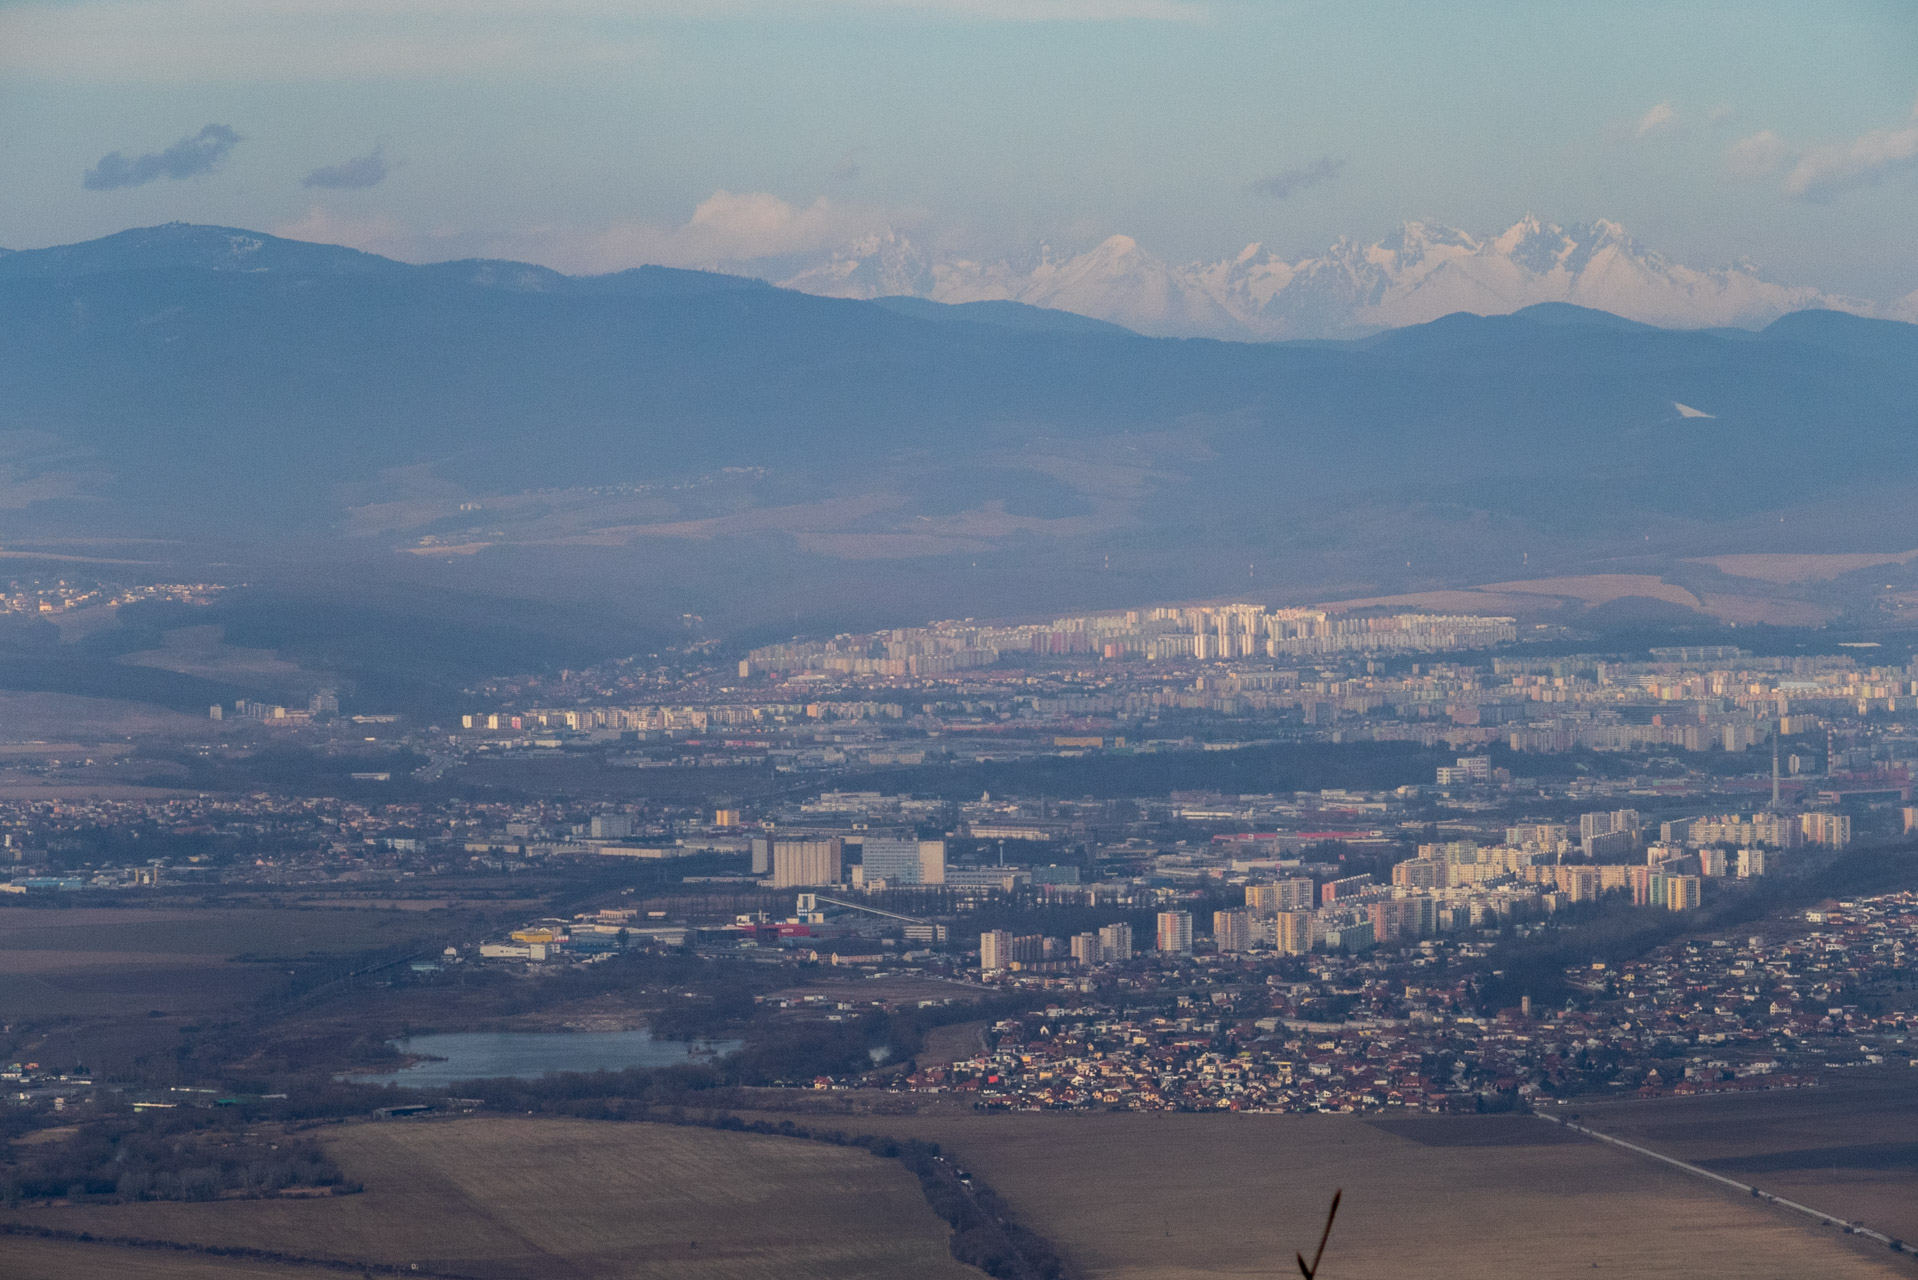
<point x="1180" y="1197"/>
<point x="951" y="1043"/>
<point x="507" y="1198"/>
<point x="1848" y="1148"/>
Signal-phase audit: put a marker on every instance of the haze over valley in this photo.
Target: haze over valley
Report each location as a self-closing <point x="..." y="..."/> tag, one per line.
<point x="981" y="639"/>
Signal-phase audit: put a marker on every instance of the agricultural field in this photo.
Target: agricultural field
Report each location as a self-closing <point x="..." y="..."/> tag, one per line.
<point x="951" y="1043"/>
<point x="904" y="988"/>
<point x="1848" y="1147"/>
<point x="103" y="987"/>
<point x="63" y="717"/>
<point x="1185" y="1196"/>
<point x="198" y="932"/>
<point x="509" y="1198"/>
<point x="25" y="1258"/>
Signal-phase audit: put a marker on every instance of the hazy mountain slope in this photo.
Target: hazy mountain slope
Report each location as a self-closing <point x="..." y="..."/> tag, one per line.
<point x="1418" y="273"/>
<point x="701" y="433"/>
<point x="1006" y="315"/>
<point x="188" y="246"/>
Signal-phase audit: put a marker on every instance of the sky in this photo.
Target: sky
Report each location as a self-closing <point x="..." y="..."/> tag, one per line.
<point x="597" y="134"/>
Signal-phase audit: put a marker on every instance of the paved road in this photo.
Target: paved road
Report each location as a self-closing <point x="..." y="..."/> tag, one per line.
<point x="435" y="768"/>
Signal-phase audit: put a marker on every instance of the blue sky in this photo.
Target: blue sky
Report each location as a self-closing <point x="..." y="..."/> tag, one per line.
<point x="593" y="134"/>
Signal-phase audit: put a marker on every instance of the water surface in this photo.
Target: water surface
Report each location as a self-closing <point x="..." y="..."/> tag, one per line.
<point x="527" y="1055"/>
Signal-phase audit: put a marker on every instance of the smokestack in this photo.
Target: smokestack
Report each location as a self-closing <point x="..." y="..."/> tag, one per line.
<point x="1774" y="769"/>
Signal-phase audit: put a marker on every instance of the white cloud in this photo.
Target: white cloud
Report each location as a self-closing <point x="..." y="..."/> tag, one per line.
<point x="727" y="231"/>
<point x="1759" y="156"/>
<point x="247" y="41"/>
<point x="1658" y="116"/>
<point x="1824" y="171"/>
<point x="379" y="234"/>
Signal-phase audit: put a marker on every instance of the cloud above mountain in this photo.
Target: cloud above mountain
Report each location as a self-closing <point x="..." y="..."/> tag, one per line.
<point x="1658" y="117"/>
<point x="355" y="174"/>
<point x="380" y="233"/>
<point x="1824" y="171"/>
<point x="190" y="157"/>
<point x="741" y="231"/>
<point x="727" y="230"/>
<point x="1286" y="183"/>
<point x="1760" y="155"/>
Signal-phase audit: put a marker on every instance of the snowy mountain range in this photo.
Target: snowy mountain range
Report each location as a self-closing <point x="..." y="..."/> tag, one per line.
<point x="1418" y="273"/>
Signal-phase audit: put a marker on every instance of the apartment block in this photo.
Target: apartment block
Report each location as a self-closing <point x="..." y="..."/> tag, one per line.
<point x="1175" y="932"/>
<point x="1282" y="895"/>
<point x="1232" y="930"/>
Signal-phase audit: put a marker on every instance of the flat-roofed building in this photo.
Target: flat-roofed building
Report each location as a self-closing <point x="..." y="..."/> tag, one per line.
<point x="932" y="862"/>
<point x="1293" y="932"/>
<point x="807" y="862"/>
<point x="1830" y="829"/>
<point x="1232" y="930"/>
<point x="1175" y="932"/>
<point x="893" y="861"/>
<point x="1282" y="895"/>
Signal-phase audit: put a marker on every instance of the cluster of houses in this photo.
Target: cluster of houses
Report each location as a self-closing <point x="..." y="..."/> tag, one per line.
<point x="1381" y="1031"/>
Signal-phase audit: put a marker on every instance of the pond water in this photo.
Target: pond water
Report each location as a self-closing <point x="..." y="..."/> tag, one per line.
<point x="527" y="1055"/>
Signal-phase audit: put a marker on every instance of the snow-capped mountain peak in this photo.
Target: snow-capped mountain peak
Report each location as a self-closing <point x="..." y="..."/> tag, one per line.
<point x="1418" y="272"/>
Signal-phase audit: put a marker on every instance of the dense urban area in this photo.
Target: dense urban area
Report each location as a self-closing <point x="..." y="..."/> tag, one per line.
<point x="1205" y="944"/>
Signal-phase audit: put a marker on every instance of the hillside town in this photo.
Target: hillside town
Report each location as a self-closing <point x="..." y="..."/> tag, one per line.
<point x="1713" y="1014"/>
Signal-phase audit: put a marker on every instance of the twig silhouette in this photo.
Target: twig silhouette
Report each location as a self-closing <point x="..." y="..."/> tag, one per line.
<point x="1310" y="1271"/>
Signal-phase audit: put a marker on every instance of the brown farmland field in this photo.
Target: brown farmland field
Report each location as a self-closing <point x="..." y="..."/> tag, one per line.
<point x="108" y="986"/>
<point x="202" y="931"/>
<point x="1849" y="1147"/>
<point x="22" y="1258"/>
<point x="1180" y="1197"/>
<point x="512" y="1198"/>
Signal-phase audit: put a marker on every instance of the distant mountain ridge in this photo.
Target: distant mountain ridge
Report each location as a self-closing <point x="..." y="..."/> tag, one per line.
<point x="1417" y="274"/>
<point x="691" y="442"/>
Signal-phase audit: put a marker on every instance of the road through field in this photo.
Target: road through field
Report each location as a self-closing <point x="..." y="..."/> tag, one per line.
<point x="1822" y="1218"/>
<point x="1213" y="1196"/>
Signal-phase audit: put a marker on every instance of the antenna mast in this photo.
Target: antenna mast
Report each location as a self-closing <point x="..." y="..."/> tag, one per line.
<point x="1774" y="768"/>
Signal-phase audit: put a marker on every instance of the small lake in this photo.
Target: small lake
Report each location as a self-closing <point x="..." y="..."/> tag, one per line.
<point x="527" y="1055"/>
